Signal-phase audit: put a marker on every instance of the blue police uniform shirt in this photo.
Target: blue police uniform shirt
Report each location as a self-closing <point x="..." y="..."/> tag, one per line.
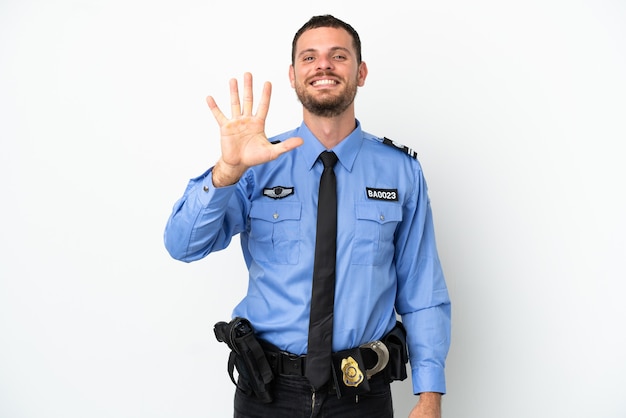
<point x="387" y="259"/>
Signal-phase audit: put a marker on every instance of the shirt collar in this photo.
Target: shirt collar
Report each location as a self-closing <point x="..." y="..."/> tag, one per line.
<point x="346" y="150"/>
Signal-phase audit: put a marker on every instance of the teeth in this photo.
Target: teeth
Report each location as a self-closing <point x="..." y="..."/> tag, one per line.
<point x="319" y="82"/>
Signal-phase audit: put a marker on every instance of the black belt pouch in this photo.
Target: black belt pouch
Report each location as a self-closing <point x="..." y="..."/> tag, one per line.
<point x="255" y="374"/>
<point x="398" y="354"/>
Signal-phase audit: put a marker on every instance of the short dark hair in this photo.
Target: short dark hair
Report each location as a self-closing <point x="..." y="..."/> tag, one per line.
<point x="327" y="21"/>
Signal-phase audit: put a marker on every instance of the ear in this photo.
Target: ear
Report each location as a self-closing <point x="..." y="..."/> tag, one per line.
<point x="292" y="77"/>
<point x="362" y="74"/>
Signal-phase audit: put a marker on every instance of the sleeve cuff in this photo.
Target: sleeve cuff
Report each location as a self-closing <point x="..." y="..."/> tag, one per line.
<point x="428" y="379"/>
<point x="207" y="192"/>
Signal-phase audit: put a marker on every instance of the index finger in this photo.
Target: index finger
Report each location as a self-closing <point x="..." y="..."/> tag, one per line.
<point x="264" y="103"/>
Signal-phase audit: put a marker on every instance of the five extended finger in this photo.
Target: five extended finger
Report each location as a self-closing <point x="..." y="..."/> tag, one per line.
<point x="264" y="103"/>
<point x="235" y="105"/>
<point x="286" y="145"/>
<point x="235" y="102"/>
<point x="247" y="94"/>
<point x="217" y="113"/>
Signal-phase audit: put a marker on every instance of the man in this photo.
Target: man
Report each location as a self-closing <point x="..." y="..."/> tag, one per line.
<point x="385" y="261"/>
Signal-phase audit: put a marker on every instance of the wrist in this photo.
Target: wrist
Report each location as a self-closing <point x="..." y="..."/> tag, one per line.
<point x="224" y="174"/>
<point x="430" y="397"/>
<point x="430" y="400"/>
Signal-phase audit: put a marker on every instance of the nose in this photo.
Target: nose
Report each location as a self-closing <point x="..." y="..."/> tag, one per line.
<point x="324" y="63"/>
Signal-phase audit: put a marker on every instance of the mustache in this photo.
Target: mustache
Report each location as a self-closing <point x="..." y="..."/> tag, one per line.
<point x="325" y="74"/>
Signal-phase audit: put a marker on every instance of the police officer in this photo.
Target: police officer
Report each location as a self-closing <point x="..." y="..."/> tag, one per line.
<point x="387" y="264"/>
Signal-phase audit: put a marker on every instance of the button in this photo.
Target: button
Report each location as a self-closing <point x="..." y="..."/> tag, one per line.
<point x="382" y="217"/>
<point x="205" y="188"/>
<point x="275" y="216"/>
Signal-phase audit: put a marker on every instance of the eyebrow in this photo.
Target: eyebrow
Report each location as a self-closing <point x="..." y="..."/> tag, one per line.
<point x="333" y="49"/>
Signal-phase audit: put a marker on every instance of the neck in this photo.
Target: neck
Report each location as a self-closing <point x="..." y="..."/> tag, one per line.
<point x="331" y="131"/>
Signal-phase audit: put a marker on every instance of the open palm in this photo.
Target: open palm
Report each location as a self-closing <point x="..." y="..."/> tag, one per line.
<point x="243" y="140"/>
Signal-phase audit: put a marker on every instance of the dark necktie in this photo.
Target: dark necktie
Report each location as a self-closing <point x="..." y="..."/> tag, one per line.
<point x="318" y="359"/>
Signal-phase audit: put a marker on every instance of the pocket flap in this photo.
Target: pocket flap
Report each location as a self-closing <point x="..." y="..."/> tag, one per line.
<point x="276" y="212"/>
<point x="379" y="212"/>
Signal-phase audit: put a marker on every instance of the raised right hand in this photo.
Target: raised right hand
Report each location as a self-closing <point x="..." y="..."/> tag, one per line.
<point x="243" y="140"/>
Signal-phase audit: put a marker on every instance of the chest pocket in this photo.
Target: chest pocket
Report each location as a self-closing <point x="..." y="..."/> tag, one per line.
<point x="275" y="232"/>
<point x="374" y="232"/>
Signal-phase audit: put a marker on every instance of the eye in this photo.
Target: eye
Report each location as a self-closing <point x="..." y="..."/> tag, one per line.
<point x="339" y="57"/>
<point x="308" y="59"/>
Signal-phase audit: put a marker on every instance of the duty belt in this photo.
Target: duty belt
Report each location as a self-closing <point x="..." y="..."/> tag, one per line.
<point x="375" y="358"/>
<point x="258" y="361"/>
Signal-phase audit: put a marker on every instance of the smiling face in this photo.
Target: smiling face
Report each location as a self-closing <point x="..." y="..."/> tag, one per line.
<point x="326" y="72"/>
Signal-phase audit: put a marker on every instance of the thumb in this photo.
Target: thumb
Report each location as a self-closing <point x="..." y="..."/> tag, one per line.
<point x="287" y="145"/>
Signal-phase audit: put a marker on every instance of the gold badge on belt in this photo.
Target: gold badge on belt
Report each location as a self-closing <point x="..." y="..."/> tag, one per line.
<point x="352" y="375"/>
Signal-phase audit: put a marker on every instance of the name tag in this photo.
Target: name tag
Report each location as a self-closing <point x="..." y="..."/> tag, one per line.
<point x="382" y="194"/>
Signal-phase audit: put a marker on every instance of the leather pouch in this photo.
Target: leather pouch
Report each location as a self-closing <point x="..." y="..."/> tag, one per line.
<point x="349" y="373"/>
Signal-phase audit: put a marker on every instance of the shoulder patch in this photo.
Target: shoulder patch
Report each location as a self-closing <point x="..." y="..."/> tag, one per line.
<point x="409" y="151"/>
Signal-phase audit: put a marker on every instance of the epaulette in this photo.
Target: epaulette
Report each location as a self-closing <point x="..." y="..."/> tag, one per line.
<point x="409" y="151"/>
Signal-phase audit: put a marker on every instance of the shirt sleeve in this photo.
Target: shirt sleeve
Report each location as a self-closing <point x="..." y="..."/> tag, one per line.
<point x="422" y="299"/>
<point x="204" y="219"/>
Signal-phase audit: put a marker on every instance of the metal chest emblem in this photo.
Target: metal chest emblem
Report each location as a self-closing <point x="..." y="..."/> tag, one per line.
<point x="352" y="375"/>
<point x="278" y="192"/>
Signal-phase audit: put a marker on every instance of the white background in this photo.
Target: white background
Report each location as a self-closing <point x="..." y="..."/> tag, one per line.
<point x="516" y="109"/>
